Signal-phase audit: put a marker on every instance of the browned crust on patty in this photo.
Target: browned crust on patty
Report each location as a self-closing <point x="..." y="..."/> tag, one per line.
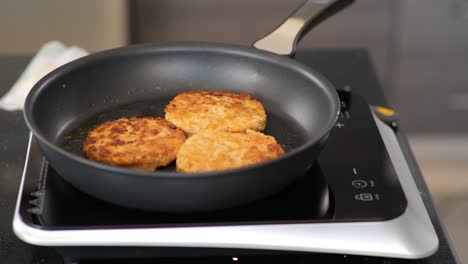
<point x="136" y="143"/>
<point x="198" y="111"/>
<point x="217" y="150"/>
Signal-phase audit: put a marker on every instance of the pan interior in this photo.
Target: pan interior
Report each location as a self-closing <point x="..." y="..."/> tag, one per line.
<point x="285" y="129"/>
<point x="140" y="81"/>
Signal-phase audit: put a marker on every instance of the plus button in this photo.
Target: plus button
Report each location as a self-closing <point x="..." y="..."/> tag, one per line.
<point x="339" y="125"/>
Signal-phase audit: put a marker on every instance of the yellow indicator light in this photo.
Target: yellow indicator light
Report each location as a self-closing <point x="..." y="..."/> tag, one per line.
<point x="385" y="111"/>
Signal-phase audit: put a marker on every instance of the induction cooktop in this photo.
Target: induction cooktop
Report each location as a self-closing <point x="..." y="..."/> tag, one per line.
<point x="358" y="198"/>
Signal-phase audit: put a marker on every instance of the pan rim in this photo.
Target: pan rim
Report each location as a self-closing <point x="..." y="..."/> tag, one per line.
<point x="221" y="48"/>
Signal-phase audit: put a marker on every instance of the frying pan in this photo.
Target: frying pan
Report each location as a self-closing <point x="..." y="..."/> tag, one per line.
<point x="302" y="108"/>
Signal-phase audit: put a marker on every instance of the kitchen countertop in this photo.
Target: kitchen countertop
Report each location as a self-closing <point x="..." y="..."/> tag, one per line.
<point x="341" y="67"/>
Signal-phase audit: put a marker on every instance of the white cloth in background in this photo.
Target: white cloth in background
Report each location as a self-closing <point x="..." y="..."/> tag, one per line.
<point x="50" y="56"/>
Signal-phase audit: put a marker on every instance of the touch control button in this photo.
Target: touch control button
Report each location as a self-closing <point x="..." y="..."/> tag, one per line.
<point x="364" y="197"/>
<point x="359" y="184"/>
<point x="339" y="125"/>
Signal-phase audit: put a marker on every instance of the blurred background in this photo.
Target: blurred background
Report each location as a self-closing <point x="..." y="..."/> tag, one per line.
<point x="419" y="48"/>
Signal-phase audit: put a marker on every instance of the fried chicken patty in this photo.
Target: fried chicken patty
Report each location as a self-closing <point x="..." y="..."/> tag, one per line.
<point x="137" y="143"/>
<point x="218" y="150"/>
<point x="197" y="111"/>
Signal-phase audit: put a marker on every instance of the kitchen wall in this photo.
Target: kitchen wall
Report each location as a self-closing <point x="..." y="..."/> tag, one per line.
<point x="93" y="25"/>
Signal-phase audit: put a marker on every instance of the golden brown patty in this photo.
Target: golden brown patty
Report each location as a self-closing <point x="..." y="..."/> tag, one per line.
<point x="136" y="143"/>
<point x="197" y="111"/>
<point x="214" y="151"/>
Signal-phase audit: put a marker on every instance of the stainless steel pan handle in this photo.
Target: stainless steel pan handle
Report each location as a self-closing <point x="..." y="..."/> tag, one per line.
<point x="284" y="38"/>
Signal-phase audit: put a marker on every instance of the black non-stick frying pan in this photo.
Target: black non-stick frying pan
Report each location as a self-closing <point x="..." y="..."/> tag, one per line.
<point x="302" y="108"/>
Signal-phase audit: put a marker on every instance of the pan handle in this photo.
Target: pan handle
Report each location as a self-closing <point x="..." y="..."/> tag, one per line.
<point x="284" y="38"/>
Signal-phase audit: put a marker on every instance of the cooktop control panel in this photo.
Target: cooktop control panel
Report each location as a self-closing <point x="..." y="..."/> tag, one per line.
<point x="358" y="168"/>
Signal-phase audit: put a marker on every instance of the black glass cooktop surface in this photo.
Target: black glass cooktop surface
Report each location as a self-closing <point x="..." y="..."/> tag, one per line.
<point x="353" y="180"/>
